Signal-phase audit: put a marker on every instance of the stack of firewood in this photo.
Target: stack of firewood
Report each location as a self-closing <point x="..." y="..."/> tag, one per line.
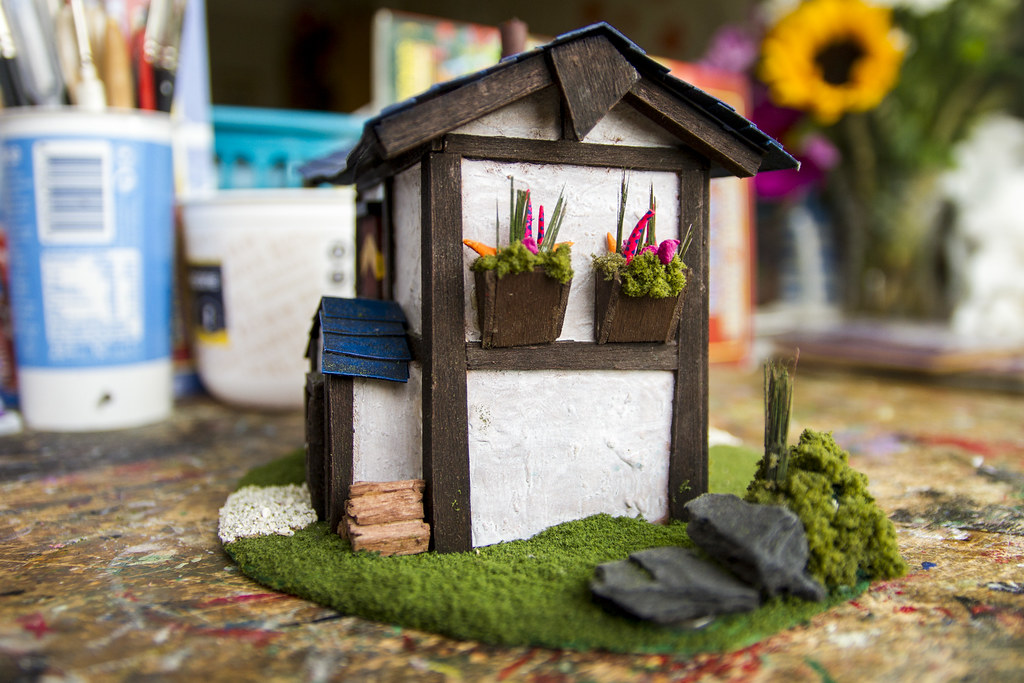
<point x="386" y="517"/>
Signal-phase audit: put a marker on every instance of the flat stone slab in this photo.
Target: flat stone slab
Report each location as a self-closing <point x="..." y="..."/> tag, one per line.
<point x="765" y="545"/>
<point x="671" y="584"/>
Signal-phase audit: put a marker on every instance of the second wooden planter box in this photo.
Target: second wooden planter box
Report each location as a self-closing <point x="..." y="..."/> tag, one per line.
<point x="621" y="318"/>
<point x="520" y="309"/>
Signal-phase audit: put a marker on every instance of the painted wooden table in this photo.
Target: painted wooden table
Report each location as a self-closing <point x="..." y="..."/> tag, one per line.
<point x="110" y="567"/>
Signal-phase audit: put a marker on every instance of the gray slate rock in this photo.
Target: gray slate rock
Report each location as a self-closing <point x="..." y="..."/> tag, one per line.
<point x="764" y="545"/>
<point x="671" y="584"/>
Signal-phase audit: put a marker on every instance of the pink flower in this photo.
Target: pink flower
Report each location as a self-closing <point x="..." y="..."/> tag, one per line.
<point x="731" y="49"/>
<point x="667" y="250"/>
<point x="530" y="244"/>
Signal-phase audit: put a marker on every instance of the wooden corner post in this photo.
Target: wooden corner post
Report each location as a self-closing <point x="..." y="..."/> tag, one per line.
<point x="688" y="460"/>
<point x="338" y="400"/>
<point x="445" y="422"/>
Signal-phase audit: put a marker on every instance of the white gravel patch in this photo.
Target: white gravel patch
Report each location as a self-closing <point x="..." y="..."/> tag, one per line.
<point x="265" y="510"/>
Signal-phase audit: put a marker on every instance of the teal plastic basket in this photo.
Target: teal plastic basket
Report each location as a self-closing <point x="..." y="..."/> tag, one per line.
<point x="257" y="148"/>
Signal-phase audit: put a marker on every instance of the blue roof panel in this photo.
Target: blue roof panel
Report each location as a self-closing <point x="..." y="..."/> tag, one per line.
<point x="350" y="366"/>
<point x="386" y="348"/>
<point x="363" y="328"/>
<point x="362" y="338"/>
<point x="362" y="309"/>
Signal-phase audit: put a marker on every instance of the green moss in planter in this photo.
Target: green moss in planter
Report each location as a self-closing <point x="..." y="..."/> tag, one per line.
<point x="644" y="275"/>
<point x="516" y="258"/>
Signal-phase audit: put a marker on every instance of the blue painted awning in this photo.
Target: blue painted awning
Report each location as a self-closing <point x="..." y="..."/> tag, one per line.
<point x="361" y="338"/>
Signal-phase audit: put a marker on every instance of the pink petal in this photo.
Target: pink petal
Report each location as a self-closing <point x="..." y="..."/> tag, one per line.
<point x="530" y="244"/>
<point x="667" y="250"/>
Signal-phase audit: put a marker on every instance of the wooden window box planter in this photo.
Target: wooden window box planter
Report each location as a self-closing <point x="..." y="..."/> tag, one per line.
<point x="621" y="318"/>
<point x="520" y="309"/>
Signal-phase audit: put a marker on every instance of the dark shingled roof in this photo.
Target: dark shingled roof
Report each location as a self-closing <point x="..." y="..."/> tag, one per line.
<point x="361" y="338"/>
<point x="344" y="167"/>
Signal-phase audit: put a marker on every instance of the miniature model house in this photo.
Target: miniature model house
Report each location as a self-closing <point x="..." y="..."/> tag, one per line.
<point x="513" y="440"/>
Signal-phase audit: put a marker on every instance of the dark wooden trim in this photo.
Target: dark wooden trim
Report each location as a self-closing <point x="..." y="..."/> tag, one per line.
<point x="571" y="152"/>
<point x="409" y="128"/>
<point x="388" y="238"/>
<point x="706" y="136"/>
<point x="382" y="170"/>
<point x="338" y="432"/>
<point x="593" y="76"/>
<point x="315" y="469"/>
<point x="443" y="354"/>
<point x="570" y="355"/>
<point x="688" y="459"/>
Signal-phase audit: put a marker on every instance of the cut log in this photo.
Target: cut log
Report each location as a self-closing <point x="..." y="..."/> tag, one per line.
<point x="382" y="508"/>
<point x="396" y="538"/>
<point x="366" y="488"/>
<point x="386" y="517"/>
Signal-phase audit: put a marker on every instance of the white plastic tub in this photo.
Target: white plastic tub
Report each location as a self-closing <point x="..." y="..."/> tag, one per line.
<point x="258" y="262"/>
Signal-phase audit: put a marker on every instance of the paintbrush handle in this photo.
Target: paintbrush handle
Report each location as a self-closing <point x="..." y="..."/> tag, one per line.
<point x="116" y="67"/>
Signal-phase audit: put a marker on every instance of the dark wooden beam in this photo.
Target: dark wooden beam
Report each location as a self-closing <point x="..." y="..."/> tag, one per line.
<point x="695" y="129"/>
<point x="443" y="354"/>
<point x="593" y="76"/>
<point x="388" y="238"/>
<point x="688" y="458"/>
<point x="315" y="441"/>
<point x="370" y="176"/>
<point x="414" y="126"/>
<point x="571" y="152"/>
<point x="338" y="404"/>
<point x="569" y="355"/>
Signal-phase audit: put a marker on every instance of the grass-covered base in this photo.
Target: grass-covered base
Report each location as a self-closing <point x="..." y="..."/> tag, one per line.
<point x="532" y="592"/>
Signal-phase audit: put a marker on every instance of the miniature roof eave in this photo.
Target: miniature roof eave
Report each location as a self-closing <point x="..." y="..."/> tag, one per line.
<point x="360" y="338"/>
<point x="734" y="145"/>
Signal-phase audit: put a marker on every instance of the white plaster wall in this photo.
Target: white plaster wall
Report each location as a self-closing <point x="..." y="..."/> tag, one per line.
<point x="552" y="446"/>
<point x="624" y="125"/>
<point x="408" y="256"/>
<point x="534" y="117"/>
<point x="387" y="426"/>
<point x="592" y="194"/>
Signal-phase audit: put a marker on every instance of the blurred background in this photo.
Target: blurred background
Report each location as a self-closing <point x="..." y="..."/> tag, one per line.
<point x="898" y="246"/>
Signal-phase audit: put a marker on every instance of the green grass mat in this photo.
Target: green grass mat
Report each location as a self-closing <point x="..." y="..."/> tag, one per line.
<point x="532" y="592"/>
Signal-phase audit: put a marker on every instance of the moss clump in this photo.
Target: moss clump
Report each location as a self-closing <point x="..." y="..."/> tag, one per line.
<point x="848" y="535"/>
<point x="644" y="275"/>
<point x="516" y="258"/>
<point x="287" y="470"/>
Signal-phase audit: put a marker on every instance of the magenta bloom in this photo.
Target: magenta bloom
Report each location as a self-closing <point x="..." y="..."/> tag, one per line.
<point x="530" y="244"/>
<point x="667" y="250"/>
<point x="731" y="49"/>
<point x="649" y="249"/>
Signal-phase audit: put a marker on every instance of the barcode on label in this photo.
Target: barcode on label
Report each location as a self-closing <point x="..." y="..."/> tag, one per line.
<point x="74" y="198"/>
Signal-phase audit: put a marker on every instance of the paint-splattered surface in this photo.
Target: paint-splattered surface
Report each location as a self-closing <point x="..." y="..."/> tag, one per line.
<point x="110" y="567"/>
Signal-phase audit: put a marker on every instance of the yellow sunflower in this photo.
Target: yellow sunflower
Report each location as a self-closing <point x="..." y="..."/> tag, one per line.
<point x="830" y="57"/>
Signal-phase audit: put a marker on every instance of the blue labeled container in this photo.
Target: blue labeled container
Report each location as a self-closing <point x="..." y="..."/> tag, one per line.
<point x="89" y="201"/>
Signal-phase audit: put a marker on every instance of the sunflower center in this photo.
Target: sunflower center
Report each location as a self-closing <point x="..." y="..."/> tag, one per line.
<point x="836" y="60"/>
